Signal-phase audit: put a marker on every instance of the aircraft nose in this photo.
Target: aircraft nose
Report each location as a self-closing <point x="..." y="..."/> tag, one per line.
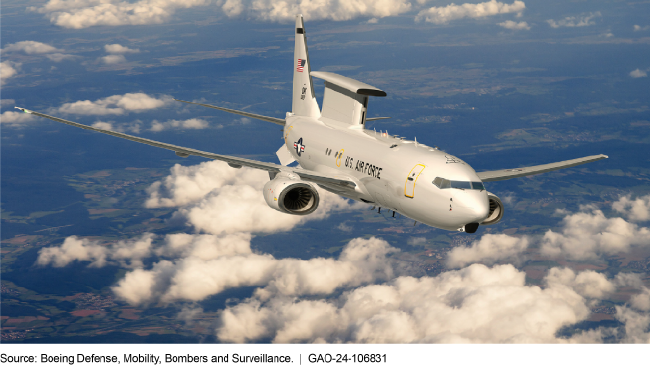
<point x="475" y="204"/>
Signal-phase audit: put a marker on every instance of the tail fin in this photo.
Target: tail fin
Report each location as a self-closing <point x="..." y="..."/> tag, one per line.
<point x="304" y="99"/>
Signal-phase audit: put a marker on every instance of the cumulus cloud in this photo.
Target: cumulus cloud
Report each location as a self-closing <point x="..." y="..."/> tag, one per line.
<point x="127" y="253"/>
<point x="133" y="127"/>
<point x="588" y="234"/>
<point x="33" y="47"/>
<point x="443" y="15"/>
<point x="636" y="210"/>
<point x="582" y="20"/>
<point x="119" y="49"/>
<point x="475" y="304"/>
<point x="639" y="28"/>
<point x="193" y="123"/>
<point x="8" y="69"/>
<point x="636" y="324"/>
<point x="337" y="10"/>
<point x="588" y="283"/>
<point x="58" y="57"/>
<point x="113" y="59"/>
<point x="489" y="249"/>
<point x="15" y="119"/>
<point x="509" y="24"/>
<point x="232" y="264"/>
<point x="79" y="14"/>
<point x="115" y="105"/>
<point x="30" y="47"/>
<point x="638" y="73"/>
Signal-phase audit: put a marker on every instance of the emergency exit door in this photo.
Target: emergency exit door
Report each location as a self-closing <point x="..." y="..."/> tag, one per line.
<point x="411" y="179"/>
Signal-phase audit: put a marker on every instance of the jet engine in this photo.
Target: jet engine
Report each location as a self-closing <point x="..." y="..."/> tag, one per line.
<point x="287" y="194"/>
<point x="496" y="210"/>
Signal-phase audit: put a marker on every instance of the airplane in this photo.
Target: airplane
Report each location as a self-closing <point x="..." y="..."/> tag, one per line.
<point x="336" y="152"/>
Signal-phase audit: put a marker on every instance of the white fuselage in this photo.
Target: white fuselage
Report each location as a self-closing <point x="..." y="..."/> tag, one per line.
<point x="390" y="172"/>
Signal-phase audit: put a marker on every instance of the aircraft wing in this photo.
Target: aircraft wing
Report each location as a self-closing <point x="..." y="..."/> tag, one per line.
<point x="319" y="178"/>
<point x="534" y="170"/>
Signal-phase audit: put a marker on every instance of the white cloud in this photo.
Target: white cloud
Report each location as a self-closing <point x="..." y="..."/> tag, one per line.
<point x="475" y="304"/>
<point x="58" y="57"/>
<point x="639" y="208"/>
<point x="232" y="264"/>
<point x="113" y="59"/>
<point x="489" y="249"/>
<point x="588" y="234"/>
<point x="8" y="69"/>
<point x="108" y="126"/>
<point x="509" y="24"/>
<point x="73" y="249"/>
<point x="128" y="253"/>
<point x="582" y="20"/>
<point x="15" y="118"/>
<point x="443" y="15"/>
<point x="639" y="28"/>
<point x="588" y="283"/>
<point x="79" y="14"/>
<point x="33" y="47"/>
<point x="116" y="104"/>
<point x="193" y="123"/>
<point x="638" y="73"/>
<point x="636" y="324"/>
<point x="133" y="127"/>
<point x="30" y="47"/>
<point x="119" y="49"/>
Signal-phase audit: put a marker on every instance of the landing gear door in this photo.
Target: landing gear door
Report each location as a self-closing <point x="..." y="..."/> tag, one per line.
<point x="409" y="187"/>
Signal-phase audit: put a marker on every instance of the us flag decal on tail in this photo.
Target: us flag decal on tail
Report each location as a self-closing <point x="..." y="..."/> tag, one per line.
<point x="301" y="65"/>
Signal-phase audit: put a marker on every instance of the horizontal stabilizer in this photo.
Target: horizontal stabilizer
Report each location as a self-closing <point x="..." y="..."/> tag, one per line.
<point x="376" y="118"/>
<point x="534" y="170"/>
<point x="239" y="112"/>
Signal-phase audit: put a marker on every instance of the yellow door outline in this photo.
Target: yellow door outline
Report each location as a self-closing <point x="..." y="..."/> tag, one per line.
<point x="411" y="179"/>
<point x="338" y="158"/>
<point x="286" y="134"/>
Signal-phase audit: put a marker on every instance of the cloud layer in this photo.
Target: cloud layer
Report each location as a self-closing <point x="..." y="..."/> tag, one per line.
<point x="443" y="15"/>
<point x="476" y="304"/>
<point x="115" y="105"/>
<point x="582" y="20"/>
<point x="363" y="295"/>
<point x="588" y="234"/>
<point x="79" y="14"/>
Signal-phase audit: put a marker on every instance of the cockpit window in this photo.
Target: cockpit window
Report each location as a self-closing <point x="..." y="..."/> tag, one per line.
<point x="455" y="184"/>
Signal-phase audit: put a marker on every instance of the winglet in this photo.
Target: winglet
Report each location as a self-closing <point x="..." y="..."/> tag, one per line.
<point x="23" y="110"/>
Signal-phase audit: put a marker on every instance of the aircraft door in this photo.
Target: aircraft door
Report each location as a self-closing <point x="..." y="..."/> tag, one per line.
<point x="409" y="188"/>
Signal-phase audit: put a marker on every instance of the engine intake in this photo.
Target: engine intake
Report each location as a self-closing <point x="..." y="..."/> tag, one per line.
<point x="496" y="210"/>
<point x="290" y="196"/>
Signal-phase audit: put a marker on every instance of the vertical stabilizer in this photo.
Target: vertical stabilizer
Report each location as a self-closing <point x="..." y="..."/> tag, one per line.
<point x="304" y="99"/>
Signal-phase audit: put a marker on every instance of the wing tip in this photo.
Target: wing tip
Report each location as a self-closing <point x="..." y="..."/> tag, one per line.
<point x="23" y="110"/>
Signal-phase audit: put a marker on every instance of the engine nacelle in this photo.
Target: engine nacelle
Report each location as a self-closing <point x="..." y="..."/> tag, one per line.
<point x="289" y="195"/>
<point x="496" y="210"/>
